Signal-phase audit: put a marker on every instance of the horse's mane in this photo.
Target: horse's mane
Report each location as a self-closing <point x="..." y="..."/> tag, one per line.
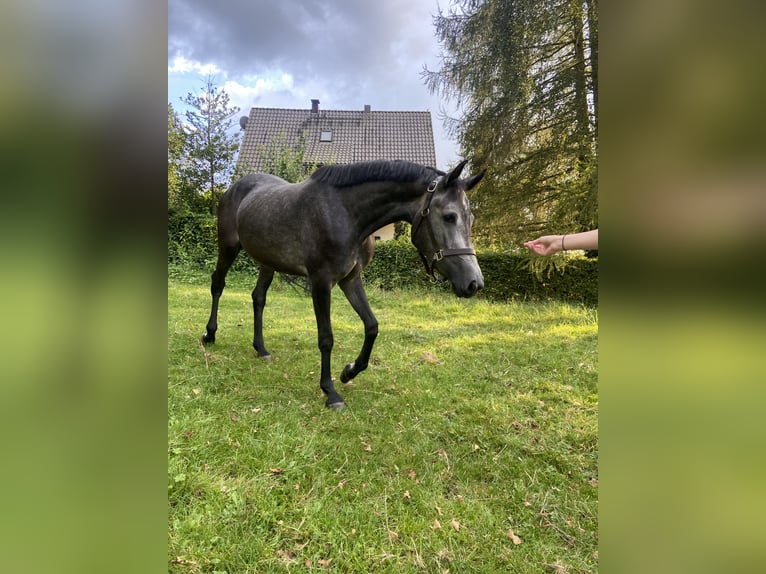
<point x="346" y="175"/>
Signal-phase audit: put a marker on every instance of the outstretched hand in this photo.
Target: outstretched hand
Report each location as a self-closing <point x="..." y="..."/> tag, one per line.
<point x="545" y="245"/>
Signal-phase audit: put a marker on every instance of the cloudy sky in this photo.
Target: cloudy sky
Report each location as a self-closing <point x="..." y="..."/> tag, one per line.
<point x="345" y="53"/>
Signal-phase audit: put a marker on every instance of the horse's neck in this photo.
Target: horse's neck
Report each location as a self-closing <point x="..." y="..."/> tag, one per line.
<point x="380" y="203"/>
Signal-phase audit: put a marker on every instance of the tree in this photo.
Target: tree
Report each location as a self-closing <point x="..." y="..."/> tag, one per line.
<point x="176" y="142"/>
<point x="524" y="74"/>
<point x="282" y="159"/>
<point x="209" y="149"/>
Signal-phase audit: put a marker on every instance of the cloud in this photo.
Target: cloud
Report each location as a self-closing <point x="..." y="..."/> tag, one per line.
<point x="183" y="66"/>
<point x="346" y="53"/>
<point x="309" y="38"/>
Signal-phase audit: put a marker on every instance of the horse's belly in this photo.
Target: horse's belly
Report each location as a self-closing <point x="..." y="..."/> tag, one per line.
<point x="276" y="252"/>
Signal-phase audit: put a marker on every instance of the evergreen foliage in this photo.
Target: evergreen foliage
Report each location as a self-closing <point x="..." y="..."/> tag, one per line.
<point x="209" y="148"/>
<point x="524" y="74"/>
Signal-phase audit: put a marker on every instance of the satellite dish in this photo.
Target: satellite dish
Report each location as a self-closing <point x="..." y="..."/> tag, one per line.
<point x="243" y="122"/>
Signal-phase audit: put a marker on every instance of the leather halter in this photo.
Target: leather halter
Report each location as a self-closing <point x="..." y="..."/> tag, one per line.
<point x="430" y="262"/>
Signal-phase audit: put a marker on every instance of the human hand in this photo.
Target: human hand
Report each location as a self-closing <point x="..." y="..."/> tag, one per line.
<point x="545" y="245"/>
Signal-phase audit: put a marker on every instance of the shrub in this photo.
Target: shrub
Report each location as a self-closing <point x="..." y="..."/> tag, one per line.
<point x="506" y="276"/>
<point x="192" y="242"/>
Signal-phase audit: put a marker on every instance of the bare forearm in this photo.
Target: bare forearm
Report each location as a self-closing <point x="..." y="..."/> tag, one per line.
<point x="550" y="244"/>
<point x="584" y="240"/>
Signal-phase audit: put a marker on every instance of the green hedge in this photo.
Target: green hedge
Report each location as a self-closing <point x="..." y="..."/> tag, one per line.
<point x="192" y="242"/>
<point x="506" y="277"/>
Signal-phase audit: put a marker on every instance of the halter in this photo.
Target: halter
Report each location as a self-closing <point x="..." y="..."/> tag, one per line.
<point x="421" y="216"/>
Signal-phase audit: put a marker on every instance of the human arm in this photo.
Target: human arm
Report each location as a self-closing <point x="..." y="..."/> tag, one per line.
<point x="550" y="244"/>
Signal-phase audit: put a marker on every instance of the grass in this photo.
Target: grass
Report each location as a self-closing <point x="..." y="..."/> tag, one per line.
<point x="469" y="445"/>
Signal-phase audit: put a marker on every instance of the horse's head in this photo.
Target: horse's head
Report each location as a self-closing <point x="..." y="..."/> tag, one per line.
<point x="441" y="231"/>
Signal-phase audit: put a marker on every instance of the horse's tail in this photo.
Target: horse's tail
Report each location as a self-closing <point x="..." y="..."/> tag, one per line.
<point x="228" y="205"/>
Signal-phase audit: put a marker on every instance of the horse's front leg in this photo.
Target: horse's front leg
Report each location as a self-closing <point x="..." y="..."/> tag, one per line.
<point x="354" y="291"/>
<point x="320" y="294"/>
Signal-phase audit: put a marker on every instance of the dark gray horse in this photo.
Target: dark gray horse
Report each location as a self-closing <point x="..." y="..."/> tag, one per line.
<point x="321" y="228"/>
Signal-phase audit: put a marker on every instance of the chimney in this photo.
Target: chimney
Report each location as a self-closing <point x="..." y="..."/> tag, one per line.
<point x="314" y="106"/>
<point x="366" y="107"/>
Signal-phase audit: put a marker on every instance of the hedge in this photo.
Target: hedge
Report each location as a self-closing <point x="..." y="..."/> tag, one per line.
<point x="396" y="265"/>
<point x="506" y="276"/>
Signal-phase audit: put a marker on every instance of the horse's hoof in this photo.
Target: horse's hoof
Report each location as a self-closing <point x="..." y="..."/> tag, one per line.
<point x="265" y="357"/>
<point x="346" y="375"/>
<point x="337" y="406"/>
<point x="208" y="339"/>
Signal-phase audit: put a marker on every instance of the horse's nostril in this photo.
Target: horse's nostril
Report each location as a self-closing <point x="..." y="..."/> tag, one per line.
<point x="473" y="287"/>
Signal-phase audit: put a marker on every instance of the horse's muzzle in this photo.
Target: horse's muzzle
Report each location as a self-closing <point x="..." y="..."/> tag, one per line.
<point x="469" y="290"/>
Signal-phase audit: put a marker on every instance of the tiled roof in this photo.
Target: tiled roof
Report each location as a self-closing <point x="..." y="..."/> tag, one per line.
<point x="354" y="135"/>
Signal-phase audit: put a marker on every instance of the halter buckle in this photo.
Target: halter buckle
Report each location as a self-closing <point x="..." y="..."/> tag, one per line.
<point x="439" y="255"/>
<point x="432" y="186"/>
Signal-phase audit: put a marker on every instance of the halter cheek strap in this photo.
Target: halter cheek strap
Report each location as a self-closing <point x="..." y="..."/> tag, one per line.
<point x="421" y="216"/>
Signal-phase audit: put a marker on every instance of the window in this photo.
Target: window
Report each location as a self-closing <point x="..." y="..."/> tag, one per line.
<point x="325" y="136"/>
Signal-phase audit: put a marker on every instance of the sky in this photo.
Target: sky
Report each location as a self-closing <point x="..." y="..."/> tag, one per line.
<point x="345" y="53"/>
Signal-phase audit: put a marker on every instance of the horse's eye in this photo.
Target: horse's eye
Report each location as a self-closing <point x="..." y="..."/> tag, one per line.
<point x="450" y="218"/>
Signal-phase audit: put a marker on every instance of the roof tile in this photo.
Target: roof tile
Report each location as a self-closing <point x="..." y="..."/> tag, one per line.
<point x="356" y="135"/>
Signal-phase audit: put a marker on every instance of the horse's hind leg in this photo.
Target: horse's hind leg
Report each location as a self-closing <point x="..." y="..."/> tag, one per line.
<point x="355" y="294"/>
<point x="265" y="276"/>
<point x="226" y="256"/>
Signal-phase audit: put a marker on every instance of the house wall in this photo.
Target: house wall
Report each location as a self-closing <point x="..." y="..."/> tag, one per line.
<point x="385" y="233"/>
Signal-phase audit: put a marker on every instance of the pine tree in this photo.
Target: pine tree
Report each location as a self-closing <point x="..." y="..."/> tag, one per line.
<point x="209" y="149"/>
<point x="524" y="74"/>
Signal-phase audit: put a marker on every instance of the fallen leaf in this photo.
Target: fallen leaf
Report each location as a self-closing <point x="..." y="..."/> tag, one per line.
<point x="430" y="358"/>
<point x="407" y="495"/>
<point x="512" y="536"/>
<point x="325" y="563"/>
<point x="393" y="536"/>
<point x="439" y="510"/>
<point x="437" y="524"/>
<point x="255" y="410"/>
<point x="475" y="447"/>
<point x="276" y="470"/>
<point x="285" y="554"/>
<point x="411" y="473"/>
<point x="456" y="525"/>
<point x="367" y="446"/>
<point x="308" y="563"/>
<point x="196" y="391"/>
<point x="285" y="376"/>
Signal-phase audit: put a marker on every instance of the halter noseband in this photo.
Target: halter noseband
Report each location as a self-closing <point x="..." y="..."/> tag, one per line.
<point x="421" y="216"/>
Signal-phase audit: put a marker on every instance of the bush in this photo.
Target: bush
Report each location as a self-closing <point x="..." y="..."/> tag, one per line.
<point x="192" y="239"/>
<point x="506" y="277"/>
<point x="192" y="242"/>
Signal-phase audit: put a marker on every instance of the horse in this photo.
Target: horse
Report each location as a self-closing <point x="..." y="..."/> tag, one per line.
<point x="322" y="227"/>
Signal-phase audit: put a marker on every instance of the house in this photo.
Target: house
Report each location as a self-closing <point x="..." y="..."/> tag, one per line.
<point x="339" y="136"/>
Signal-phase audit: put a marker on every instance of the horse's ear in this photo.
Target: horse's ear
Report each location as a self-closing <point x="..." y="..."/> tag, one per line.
<point x="455" y="173"/>
<point x="472" y="181"/>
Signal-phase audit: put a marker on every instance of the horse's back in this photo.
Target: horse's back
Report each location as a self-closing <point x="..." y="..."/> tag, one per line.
<point x="269" y="222"/>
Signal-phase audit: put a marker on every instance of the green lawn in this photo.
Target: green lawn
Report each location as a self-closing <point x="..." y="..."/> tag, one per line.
<point x="469" y="445"/>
